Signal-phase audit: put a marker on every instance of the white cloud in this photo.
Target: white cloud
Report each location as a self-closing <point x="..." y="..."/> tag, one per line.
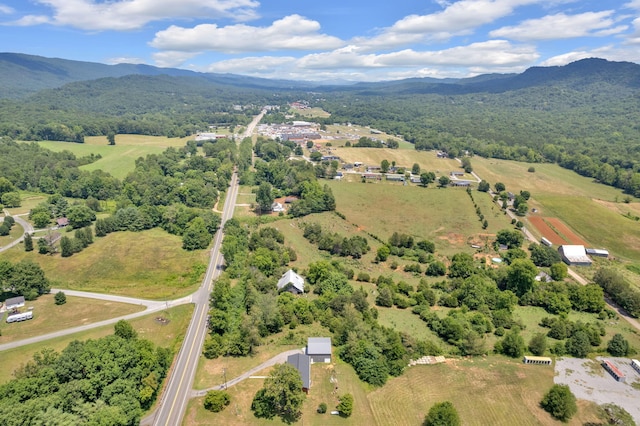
<point x="125" y="15"/>
<point x="170" y="59"/>
<point x="125" y="60"/>
<point x="558" y="26"/>
<point x="493" y="53"/>
<point x="633" y="4"/>
<point x="6" y="10"/>
<point x="255" y="64"/>
<point x="610" y="52"/>
<point x="289" y="33"/>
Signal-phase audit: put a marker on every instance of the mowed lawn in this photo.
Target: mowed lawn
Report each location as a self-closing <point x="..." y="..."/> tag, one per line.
<point x="403" y="157"/>
<point x="485" y="391"/>
<point x="149" y="264"/>
<point x="445" y="216"/>
<point x="119" y="159"/>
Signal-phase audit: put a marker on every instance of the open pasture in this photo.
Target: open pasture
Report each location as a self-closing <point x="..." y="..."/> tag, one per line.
<point x="149" y="264"/>
<point x="601" y="226"/>
<point x="403" y="157"/>
<point x="118" y="159"/>
<point x="445" y="216"/>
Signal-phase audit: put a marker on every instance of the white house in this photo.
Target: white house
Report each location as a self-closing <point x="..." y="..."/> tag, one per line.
<point x="291" y="282"/>
<point x="319" y="349"/>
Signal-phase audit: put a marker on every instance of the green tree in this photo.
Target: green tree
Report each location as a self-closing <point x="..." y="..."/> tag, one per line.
<point x="560" y="403"/>
<point x="415" y="169"/>
<point x="196" y="236"/>
<point x="345" y="407"/>
<point x="521" y="276"/>
<point x="41" y="219"/>
<point x="383" y="253"/>
<point x="264" y="197"/>
<point x="216" y="400"/>
<point x="538" y="344"/>
<point x="384" y="166"/>
<point x="60" y="298"/>
<point x="27" y="279"/>
<point x="125" y="330"/>
<point x="281" y="395"/>
<point x="499" y="186"/>
<point x="618" y="345"/>
<point x="484" y="186"/>
<point x="10" y="199"/>
<point x="579" y="344"/>
<point x="426" y="178"/>
<point x="466" y="164"/>
<point x="80" y="215"/>
<point x="512" y="345"/>
<point x="28" y="242"/>
<point x="66" y="246"/>
<point x="442" y="414"/>
<point x="443" y="181"/>
<point x="558" y="271"/>
<point x="111" y="138"/>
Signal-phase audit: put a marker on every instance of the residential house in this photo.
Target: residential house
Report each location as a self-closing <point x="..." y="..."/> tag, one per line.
<point x="302" y="363"/>
<point x="319" y="349"/>
<point x="291" y="282"/>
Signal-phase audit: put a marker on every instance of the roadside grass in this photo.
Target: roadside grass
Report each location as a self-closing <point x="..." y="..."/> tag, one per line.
<point x="445" y="216"/>
<point x="118" y="159"/>
<point x="150" y="264"/>
<point x="49" y="317"/>
<point x="211" y="372"/>
<point x="16" y="232"/>
<point x="169" y="334"/>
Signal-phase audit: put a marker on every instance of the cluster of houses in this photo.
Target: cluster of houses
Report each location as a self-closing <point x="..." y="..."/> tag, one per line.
<point x="298" y="131"/>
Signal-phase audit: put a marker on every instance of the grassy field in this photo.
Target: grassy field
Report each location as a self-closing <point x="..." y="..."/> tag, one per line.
<point x="403" y="157"/>
<point x="491" y="390"/>
<point x="149" y="264"/>
<point x="49" y="317"/>
<point x="445" y="216"/>
<point x="119" y="159"/>
<point x="168" y="334"/>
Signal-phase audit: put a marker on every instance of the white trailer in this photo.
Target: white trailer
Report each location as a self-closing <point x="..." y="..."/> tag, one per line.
<point x="20" y="317"/>
<point x="546" y="242"/>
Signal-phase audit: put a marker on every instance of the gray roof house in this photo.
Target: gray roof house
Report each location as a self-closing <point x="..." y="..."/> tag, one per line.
<point x="14" y="303"/>
<point x="302" y="363"/>
<point x="291" y="282"/>
<point x="319" y="349"/>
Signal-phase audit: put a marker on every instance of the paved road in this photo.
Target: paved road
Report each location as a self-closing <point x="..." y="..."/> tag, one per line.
<point x="278" y="359"/>
<point x="173" y="402"/>
<point x="26" y="227"/>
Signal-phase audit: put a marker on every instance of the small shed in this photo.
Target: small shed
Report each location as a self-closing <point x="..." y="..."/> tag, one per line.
<point x="636" y="365"/>
<point x="14" y="303"/>
<point x="319" y="349"/>
<point x="62" y="222"/>
<point x="574" y="255"/>
<point x="291" y="282"/>
<point x="540" y="360"/>
<point x="613" y="370"/>
<point x="302" y="363"/>
<point x="597" y="252"/>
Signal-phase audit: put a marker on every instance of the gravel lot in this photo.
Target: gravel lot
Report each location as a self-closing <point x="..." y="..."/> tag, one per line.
<point x="588" y="380"/>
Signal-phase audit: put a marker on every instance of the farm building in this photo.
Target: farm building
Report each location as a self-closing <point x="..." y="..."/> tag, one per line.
<point x="546" y="242"/>
<point x="613" y="370"/>
<point x="319" y="349"/>
<point x="396" y="178"/>
<point x="456" y="173"/>
<point x="375" y="176"/>
<point x="415" y="179"/>
<point x="540" y="360"/>
<point x="302" y="363"/>
<point x="597" y="252"/>
<point x="456" y="182"/>
<point x="14" y="303"/>
<point x="636" y="365"/>
<point x="291" y="282"/>
<point x="574" y="255"/>
<point x="277" y="207"/>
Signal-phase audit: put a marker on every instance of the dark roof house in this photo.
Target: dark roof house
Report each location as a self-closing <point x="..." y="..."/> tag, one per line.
<point x="302" y="363"/>
<point x="14" y="303"/>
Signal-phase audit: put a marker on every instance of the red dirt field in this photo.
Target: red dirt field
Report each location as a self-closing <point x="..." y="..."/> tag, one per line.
<point x="564" y="230"/>
<point x="546" y="231"/>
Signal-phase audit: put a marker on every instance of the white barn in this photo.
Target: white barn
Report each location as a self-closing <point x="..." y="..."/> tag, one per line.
<point x="574" y="255"/>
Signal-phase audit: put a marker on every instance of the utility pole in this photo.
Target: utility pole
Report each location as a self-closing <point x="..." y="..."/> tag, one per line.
<point x="224" y="375"/>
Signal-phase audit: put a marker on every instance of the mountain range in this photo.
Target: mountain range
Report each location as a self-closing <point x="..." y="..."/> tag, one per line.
<point x="22" y="75"/>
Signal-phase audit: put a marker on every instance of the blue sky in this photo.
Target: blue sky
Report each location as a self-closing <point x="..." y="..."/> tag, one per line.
<point x="326" y="40"/>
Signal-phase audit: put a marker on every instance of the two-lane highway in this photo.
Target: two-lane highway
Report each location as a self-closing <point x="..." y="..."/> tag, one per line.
<point x="174" y="400"/>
